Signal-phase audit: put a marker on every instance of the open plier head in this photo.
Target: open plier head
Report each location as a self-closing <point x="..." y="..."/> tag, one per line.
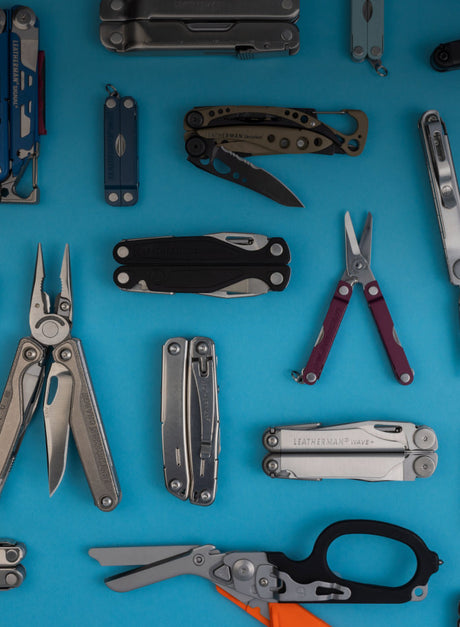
<point x="69" y="401"/>
<point x="49" y="327"/>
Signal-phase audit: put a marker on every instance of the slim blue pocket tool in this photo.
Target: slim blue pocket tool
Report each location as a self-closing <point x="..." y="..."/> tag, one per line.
<point x="121" y="179"/>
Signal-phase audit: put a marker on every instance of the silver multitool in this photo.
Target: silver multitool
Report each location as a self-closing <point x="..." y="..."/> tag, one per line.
<point x="444" y="184"/>
<point x="369" y="451"/>
<point x="12" y="573"/>
<point x="190" y="419"/>
<point x="70" y="403"/>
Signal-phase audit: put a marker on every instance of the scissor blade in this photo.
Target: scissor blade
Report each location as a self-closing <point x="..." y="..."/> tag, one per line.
<point x="248" y="175"/>
<point x="137" y="555"/>
<point x="57" y="423"/>
<point x="350" y="237"/>
<point x="196" y="560"/>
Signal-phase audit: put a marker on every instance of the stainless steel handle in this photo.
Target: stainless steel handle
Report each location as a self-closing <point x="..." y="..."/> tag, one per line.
<point x="88" y="429"/>
<point x="19" y="401"/>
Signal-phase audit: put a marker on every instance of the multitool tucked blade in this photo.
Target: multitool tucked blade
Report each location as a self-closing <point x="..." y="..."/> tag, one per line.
<point x="57" y="422"/>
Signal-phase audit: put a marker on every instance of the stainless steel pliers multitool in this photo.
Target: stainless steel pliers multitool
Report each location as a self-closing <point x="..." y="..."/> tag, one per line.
<point x="69" y="403"/>
<point x="358" y="270"/>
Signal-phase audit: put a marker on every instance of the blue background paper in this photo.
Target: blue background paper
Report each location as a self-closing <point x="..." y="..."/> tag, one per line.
<point x="258" y="340"/>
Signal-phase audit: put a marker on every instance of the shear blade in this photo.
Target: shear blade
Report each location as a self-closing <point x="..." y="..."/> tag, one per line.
<point x="358" y="256"/>
<point x="137" y="555"/>
<point x="57" y="423"/>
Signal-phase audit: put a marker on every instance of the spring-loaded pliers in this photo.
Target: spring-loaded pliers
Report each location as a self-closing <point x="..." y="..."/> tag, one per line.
<point x="358" y="270"/>
<point x="71" y="404"/>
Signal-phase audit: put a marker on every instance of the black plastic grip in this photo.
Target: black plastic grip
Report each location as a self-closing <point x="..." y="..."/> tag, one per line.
<point x="446" y="57"/>
<point x="316" y="568"/>
<point x="201" y="250"/>
<point x="198" y="279"/>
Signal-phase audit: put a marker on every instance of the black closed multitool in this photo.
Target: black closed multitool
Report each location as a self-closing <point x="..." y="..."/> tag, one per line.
<point x="228" y="265"/>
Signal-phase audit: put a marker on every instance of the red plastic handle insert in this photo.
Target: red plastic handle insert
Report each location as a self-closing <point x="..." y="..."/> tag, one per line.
<point x="312" y="371"/>
<point x="401" y="368"/>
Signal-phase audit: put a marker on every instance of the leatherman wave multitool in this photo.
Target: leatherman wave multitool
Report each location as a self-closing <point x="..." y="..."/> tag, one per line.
<point x="190" y="419"/>
<point x="21" y="103"/>
<point x="270" y="586"/>
<point x="121" y="180"/>
<point x="228" y="265"/>
<point x="70" y="404"/>
<point x="367" y="33"/>
<point x="445" y="188"/>
<point x="369" y="451"/>
<point x="247" y="28"/>
<point x="358" y="270"/>
<point x="217" y="140"/>
<point x="12" y="573"/>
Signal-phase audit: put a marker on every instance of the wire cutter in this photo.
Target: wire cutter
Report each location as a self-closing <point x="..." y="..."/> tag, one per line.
<point x="270" y="586"/>
<point x="69" y="403"/>
<point x="358" y="270"/>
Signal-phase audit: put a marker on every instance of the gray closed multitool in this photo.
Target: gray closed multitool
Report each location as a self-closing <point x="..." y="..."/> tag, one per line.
<point x="69" y="405"/>
<point x="12" y="573"/>
<point x="190" y="419"/>
<point x="369" y="451"/>
<point x="367" y="33"/>
<point x="444" y="184"/>
<point x="246" y="28"/>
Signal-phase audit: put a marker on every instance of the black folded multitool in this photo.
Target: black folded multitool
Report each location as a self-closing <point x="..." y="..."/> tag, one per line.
<point x="228" y="265"/>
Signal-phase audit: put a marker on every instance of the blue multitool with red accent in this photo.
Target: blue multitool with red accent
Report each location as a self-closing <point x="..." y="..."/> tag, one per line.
<point x="21" y="104"/>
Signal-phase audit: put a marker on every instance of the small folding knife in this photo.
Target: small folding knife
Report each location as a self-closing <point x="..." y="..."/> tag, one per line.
<point x="12" y="573"/>
<point x="444" y="185"/>
<point x="190" y="419"/>
<point x="228" y="265"/>
<point x="22" y="111"/>
<point x="217" y="140"/>
<point x="247" y="28"/>
<point x="368" y="451"/>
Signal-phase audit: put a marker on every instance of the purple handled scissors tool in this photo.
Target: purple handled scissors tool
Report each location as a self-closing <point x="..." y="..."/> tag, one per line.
<point x="358" y="259"/>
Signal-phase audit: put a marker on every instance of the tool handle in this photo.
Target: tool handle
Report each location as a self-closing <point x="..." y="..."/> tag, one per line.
<point x="281" y="614"/>
<point x="201" y="279"/>
<point x="87" y="428"/>
<point x="312" y="371"/>
<point x="19" y="401"/>
<point x="331" y="588"/>
<point x="385" y="325"/>
<point x="226" y="249"/>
